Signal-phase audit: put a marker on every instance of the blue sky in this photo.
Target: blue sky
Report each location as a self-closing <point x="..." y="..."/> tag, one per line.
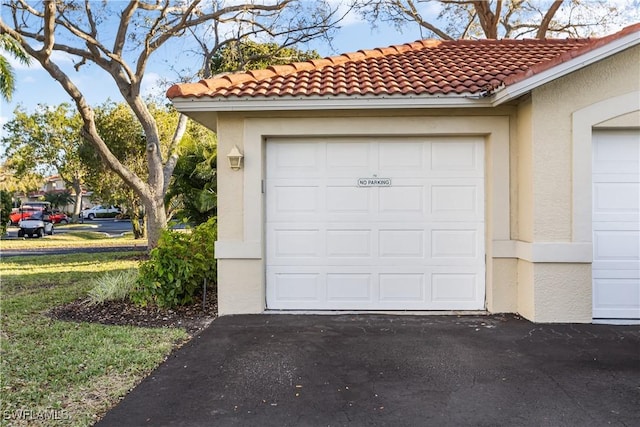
<point x="34" y="86"/>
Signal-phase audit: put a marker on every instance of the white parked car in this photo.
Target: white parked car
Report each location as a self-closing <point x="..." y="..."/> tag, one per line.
<point x="37" y="225"/>
<point x="100" y="211"/>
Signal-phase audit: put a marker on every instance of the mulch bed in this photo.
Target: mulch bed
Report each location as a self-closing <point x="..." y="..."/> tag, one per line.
<point x="191" y="317"/>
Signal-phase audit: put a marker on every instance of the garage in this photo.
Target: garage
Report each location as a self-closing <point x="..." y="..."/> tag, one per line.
<point x="393" y="223"/>
<point x="616" y="225"/>
<point x="433" y="176"/>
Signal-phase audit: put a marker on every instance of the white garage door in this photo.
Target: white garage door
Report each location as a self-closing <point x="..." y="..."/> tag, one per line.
<point x="616" y="225"/>
<point x="368" y="224"/>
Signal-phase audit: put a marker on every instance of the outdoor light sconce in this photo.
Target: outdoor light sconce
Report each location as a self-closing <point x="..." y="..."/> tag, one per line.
<point x="235" y="158"/>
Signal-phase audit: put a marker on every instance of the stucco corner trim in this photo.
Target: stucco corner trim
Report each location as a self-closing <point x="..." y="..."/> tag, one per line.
<point x="544" y="252"/>
<point x="233" y="249"/>
<point x="556" y="252"/>
<point x="504" y="249"/>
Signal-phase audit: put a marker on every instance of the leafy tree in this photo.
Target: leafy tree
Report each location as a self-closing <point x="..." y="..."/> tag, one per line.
<point x="9" y="180"/>
<point x="495" y="19"/>
<point x="7" y="75"/>
<point x="192" y="195"/>
<point x="47" y="139"/>
<point x="121" y="37"/>
<point x="124" y="136"/>
<point x="250" y="55"/>
<point x="58" y="199"/>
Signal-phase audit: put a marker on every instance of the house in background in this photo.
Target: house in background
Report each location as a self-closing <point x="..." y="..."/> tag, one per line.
<point x="50" y="184"/>
<point x="53" y="184"/>
<point x="485" y="175"/>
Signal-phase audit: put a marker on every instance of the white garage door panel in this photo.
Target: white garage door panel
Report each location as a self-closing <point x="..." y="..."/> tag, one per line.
<point x="449" y="244"/>
<point x="349" y="243"/>
<point x="349" y="200"/>
<point x="417" y="244"/>
<point x="617" y="152"/>
<point x="616" y="298"/>
<point x="616" y="225"/>
<point x="376" y="290"/>
<point x="619" y="245"/>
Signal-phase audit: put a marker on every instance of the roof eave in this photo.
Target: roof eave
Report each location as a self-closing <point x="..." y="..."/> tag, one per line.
<point x="290" y="103"/>
<point x="513" y="91"/>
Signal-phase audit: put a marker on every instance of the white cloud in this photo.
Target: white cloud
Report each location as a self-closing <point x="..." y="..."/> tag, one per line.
<point x="28" y="79"/>
<point x="60" y="57"/>
<point x="428" y="10"/>
<point x="350" y="16"/>
<point x="19" y="66"/>
<point x="152" y="84"/>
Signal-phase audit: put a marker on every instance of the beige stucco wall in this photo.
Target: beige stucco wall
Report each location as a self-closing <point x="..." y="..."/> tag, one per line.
<point x="230" y="183"/>
<point x="524" y="167"/>
<point x="240" y="286"/>
<point x="526" y="290"/>
<point x="562" y="291"/>
<point x="502" y="295"/>
<point x="553" y="106"/>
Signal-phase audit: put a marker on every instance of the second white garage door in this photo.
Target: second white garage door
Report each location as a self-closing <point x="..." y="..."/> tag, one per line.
<point x="616" y="225"/>
<point x="375" y="224"/>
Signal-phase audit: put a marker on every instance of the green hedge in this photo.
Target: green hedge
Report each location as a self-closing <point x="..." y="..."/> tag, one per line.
<point x="175" y="271"/>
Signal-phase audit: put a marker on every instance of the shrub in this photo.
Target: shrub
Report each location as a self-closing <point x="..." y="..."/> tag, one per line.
<point x="175" y="271"/>
<point x="113" y="286"/>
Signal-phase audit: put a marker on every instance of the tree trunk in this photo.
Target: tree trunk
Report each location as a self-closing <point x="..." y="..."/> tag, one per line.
<point x="136" y="225"/>
<point x="488" y="19"/>
<point x="156" y="219"/>
<point x="144" y="225"/>
<point x="77" y="187"/>
<point x="138" y="231"/>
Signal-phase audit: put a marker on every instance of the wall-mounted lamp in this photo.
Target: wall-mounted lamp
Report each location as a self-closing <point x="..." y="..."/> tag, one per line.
<point x="235" y="158"/>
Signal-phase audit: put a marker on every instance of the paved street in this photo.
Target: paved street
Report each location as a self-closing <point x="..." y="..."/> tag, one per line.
<point x="109" y="226"/>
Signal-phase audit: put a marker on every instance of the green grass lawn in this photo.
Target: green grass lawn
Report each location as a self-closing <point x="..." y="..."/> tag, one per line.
<point x="63" y="373"/>
<point x="76" y="239"/>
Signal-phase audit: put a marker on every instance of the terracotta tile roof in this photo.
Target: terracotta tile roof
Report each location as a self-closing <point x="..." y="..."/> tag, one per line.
<point x="426" y="67"/>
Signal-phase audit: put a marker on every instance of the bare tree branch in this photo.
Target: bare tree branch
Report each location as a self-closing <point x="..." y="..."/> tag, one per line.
<point x="468" y="27"/>
<point x="413" y="12"/>
<point x="544" y="25"/>
<point x="92" y="22"/>
<point x="123" y="26"/>
<point x="502" y="18"/>
<point x="49" y="28"/>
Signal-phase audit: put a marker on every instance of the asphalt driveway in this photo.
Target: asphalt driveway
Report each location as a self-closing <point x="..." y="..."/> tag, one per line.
<point x="383" y="370"/>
